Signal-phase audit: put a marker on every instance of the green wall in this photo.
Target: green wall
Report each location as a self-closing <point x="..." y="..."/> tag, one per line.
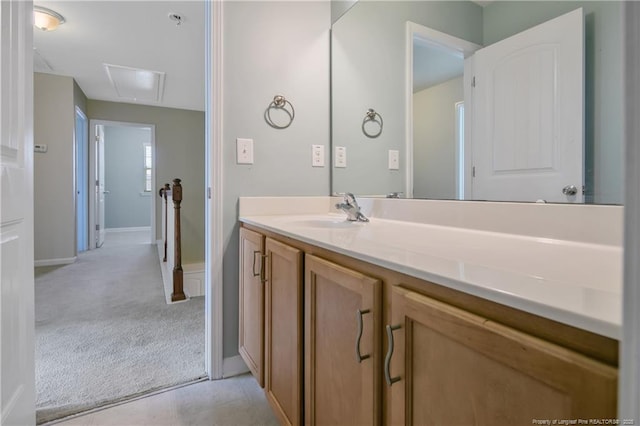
<point x="179" y="154"/>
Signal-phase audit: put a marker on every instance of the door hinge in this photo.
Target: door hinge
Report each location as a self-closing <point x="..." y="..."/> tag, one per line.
<point x="473" y="171"/>
<point x="209" y="192"/>
<point x="97" y="227"/>
<point x="473" y="81"/>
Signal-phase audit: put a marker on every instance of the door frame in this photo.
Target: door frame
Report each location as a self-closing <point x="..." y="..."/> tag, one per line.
<point x="466" y="49"/>
<point x="93" y="168"/>
<point x="629" y="386"/>
<point x="81" y="173"/>
<point x="214" y="166"/>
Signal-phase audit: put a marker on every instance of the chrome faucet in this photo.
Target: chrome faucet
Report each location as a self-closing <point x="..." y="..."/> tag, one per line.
<point x="351" y="208"/>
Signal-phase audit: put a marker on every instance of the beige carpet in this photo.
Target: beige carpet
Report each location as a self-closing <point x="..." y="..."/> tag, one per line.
<point x="104" y="332"/>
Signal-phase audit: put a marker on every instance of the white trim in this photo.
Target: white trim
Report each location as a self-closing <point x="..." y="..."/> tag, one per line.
<point x="92" y="173"/>
<point x="460" y="150"/>
<point x="193" y="278"/>
<point x="233" y="366"/>
<point x="629" y="374"/>
<point x="55" y="262"/>
<point x="431" y="36"/>
<point x="214" y="250"/>
<point x="129" y="229"/>
<point x="469" y="71"/>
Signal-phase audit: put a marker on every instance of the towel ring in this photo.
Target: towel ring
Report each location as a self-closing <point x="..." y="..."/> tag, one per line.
<point x="372" y="115"/>
<point x="280" y="103"/>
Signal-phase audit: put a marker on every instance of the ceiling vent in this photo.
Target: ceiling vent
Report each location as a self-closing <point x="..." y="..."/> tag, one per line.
<point x="136" y="84"/>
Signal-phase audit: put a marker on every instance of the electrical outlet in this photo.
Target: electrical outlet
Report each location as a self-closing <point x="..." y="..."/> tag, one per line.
<point x="317" y="155"/>
<point x="341" y="156"/>
<point x="244" y="151"/>
<point x="394" y="159"/>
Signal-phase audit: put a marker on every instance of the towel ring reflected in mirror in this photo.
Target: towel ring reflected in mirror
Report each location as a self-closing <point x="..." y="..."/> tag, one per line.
<point x="280" y="103"/>
<point x="372" y="116"/>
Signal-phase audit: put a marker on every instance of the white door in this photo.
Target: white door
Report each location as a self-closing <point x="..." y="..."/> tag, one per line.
<point x="100" y="189"/>
<point x="17" y="377"/>
<point x="528" y="114"/>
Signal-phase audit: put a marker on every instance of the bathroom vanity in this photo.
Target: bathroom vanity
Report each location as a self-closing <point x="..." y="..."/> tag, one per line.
<point x="431" y="313"/>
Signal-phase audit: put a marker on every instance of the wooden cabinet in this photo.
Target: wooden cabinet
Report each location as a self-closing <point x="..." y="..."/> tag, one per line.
<point x="449" y="366"/>
<point x="283" y="331"/>
<point x="342" y="345"/>
<point x="326" y="321"/>
<point x="251" y="297"/>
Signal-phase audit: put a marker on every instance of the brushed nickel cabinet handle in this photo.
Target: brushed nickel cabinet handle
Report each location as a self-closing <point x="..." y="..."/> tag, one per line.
<point x="255" y="274"/>
<point x="387" y="361"/>
<point x="359" y="357"/>
<point x="260" y="273"/>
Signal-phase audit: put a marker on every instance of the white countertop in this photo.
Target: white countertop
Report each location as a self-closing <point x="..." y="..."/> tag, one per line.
<point x="576" y="283"/>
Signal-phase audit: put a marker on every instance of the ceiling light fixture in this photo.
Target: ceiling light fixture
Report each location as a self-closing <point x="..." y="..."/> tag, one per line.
<point x="46" y="19"/>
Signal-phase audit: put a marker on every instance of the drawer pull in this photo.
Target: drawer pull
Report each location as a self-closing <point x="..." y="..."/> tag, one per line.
<point x="260" y="273"/>
<point x="387" y="361"/>
<point x="359" y="357"/>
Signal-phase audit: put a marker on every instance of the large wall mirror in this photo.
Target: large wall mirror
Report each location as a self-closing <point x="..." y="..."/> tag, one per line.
<point x="508" y="101"/>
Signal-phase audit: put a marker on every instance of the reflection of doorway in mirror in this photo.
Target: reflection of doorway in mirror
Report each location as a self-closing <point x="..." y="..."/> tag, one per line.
<point x="437" y="159"/>
<point x="435" y="140"/>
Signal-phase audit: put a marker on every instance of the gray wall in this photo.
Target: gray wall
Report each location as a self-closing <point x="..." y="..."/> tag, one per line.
<point x="54" y="198"/>
<point x="127" y="204"/>
<point x="271" y="48"/>
<point x="179" y="154"/>
<point x="434" y="140"/>
<point x="368" y="56"/>
<point x="603" y="72"/>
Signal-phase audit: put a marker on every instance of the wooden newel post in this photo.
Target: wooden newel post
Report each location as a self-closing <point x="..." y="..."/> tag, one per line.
<point x="163" y="194"/>
<point x="178" y="292"/>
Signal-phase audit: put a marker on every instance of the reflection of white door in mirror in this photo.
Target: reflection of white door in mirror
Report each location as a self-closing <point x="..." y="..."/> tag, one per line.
<point x="528" y="119"/>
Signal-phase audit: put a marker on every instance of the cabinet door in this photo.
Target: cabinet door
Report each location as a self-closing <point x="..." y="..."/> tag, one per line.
<point x="342" y="345"/>
<point x="251" y="298"/>
<point x="454" y="367"/>
<point x="283" y="332"/>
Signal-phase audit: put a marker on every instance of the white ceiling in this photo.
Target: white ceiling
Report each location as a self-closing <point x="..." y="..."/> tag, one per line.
<point x="135" y="34"/>
<point x="433" y="65"/>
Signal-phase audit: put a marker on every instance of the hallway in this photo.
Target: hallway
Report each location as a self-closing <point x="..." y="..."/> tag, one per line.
<point x="104" y="332"/>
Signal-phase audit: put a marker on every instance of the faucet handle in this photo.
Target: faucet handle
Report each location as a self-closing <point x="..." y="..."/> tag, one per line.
<point x="349" y="198"/>
<point x="394" y="194"/>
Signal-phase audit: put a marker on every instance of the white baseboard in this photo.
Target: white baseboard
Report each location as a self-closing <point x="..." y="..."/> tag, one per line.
<point x="193" y="279"/>
<point x="55" y="262"/>
<point x="130" y="229"/>
<point x="233" y="366"/>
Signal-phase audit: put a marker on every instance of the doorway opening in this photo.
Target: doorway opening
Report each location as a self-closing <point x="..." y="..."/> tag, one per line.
<point x="123" y="170"/>
<point x="117" y="337"/>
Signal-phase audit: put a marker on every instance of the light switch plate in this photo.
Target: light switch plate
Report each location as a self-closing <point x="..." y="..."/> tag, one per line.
<point x="394" y="159"/>
<point x="317" y="155"/>
<point x="341" y="156"/>
<point x="244" y="151"/>
<point x="40" y="147"/>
